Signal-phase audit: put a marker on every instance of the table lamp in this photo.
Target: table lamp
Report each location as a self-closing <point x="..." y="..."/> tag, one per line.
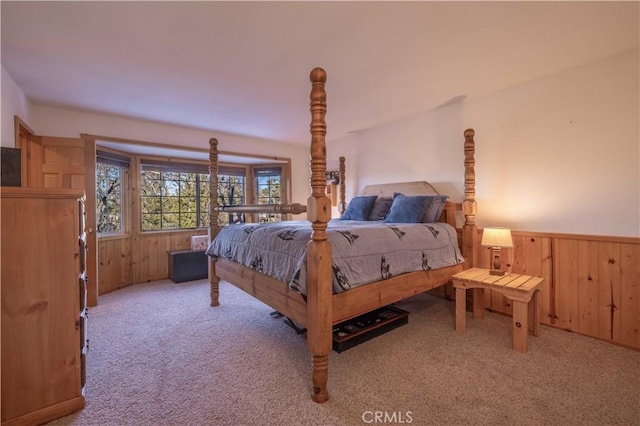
<point x="496" y="238"/>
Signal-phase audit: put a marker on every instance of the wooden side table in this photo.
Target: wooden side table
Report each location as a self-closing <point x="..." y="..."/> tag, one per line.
<point x="520" y="289"/>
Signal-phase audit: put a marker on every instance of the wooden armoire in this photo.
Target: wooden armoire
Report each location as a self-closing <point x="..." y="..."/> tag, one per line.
<point x="44" y="340"/>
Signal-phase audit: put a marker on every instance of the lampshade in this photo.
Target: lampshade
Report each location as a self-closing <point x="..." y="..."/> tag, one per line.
<point x="496" y="237"/>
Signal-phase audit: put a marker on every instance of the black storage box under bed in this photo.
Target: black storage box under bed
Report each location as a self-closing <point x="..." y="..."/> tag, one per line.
<point x="367" y="326"/>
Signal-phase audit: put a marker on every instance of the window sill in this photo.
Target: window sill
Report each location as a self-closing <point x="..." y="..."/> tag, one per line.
<point x="195" y="231"/>
<point x="113" y="236"/>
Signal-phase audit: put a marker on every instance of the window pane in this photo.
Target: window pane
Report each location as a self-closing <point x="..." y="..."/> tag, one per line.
<point x="188" y="220"/>
<point x="204" y="201"/>
<point x="151" y="204"/>
<point x="177" y="199"/>
<point x="171" y="188"/>
<point x="174" y="176"/>
<point x="188" y="204"/>
<point x="109" y="198"/>
<point x="204" y="219"/>
<point x="188" y="177"/>
<point x="170" y="220"/>
<point x="231" y="193"/>
<point x="151" y="183"/>
<point x="268" y="188"/>
<point x="170" y="204"/>
<point x="180" y="200"/>
<point x="151" y="222"/>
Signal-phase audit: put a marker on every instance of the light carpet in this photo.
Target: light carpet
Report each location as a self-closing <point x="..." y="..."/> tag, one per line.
<point x="160" y="355"/>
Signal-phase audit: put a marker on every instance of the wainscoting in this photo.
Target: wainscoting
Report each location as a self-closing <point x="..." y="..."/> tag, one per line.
<point x="126" y="260"/>
<point x="591" y="283"/>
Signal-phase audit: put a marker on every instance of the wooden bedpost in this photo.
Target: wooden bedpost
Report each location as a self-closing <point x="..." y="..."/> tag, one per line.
<point x="469" y="205"/>
<point x="319" y="282"/>
<point x="342" y="204"/>
<point x="213" y="216"/>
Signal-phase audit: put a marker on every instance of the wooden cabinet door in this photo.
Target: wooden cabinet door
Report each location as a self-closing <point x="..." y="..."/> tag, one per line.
<point x="55" y="162"/>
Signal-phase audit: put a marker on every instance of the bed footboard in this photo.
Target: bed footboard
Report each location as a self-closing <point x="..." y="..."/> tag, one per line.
<point x="272" y="292"/>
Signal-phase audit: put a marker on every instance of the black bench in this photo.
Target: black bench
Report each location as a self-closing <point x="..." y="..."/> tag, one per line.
<point x="188" y="265"/>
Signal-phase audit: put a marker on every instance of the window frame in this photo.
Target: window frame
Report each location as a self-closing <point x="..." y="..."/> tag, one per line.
<point x="231" y="169"/>
<point x="123" y="162"/>
<point x="136" y="150"/>
<point x="177" y="166"/>
<point x="266" y="168"/>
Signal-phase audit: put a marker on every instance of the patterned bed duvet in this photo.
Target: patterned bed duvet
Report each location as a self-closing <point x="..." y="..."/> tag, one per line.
<point x="363" y="252"/>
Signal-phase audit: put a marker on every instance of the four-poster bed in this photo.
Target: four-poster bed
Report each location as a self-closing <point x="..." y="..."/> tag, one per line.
<point x="319" y="308"/>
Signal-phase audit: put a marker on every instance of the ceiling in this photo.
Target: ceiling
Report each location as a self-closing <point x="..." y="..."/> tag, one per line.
<point x="243" y="67"/>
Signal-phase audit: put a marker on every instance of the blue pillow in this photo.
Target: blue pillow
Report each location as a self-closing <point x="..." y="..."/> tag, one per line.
<point x="359" y="207"/>
<point x="406" y="209"/>
<point x="434" y="210"/>
<point x="380" y="208"/>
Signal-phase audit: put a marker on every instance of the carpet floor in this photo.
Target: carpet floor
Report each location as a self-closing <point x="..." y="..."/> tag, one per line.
<point x="160" y="355"/>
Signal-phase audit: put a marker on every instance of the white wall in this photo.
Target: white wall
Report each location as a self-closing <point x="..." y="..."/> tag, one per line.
<point x="60" y="122"/>
<point x="14" y="102"/>
<point x="558" y="154"/>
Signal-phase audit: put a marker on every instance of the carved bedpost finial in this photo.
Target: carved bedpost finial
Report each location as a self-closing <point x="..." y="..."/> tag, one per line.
<point x="318" y="75"/>
<point x="318" y="149"/>
<point x="469" y="134"/>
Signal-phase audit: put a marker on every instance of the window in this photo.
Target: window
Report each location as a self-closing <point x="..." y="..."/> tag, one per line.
<point x="268" y="190"/>
<point x="173" y="195"/>
<point x="110" y="178"/>
<point x="231" y="192"/>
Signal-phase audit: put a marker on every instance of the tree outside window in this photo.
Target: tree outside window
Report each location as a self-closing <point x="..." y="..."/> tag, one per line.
<point x="231" y="192"/>
<point x="176" y="194"/>
<point x="173" y="199"/>
<point x="110" y="177"/>
<point x="269" y="190"/>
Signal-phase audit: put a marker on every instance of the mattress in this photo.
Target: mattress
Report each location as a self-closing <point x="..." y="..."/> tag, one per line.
<point x="362" y="251"/>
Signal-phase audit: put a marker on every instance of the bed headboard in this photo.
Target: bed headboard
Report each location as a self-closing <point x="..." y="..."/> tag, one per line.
<point x="414" y="188"/>
<point x="406" y="188"/>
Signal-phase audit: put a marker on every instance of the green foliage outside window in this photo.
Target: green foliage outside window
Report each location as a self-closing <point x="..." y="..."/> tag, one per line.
<point x="269" y="192"/>
<point x="177" y="196"/>
<point x="173" y="200"/>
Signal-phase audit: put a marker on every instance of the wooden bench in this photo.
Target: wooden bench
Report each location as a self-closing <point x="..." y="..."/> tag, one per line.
<point x="520" y="289"/>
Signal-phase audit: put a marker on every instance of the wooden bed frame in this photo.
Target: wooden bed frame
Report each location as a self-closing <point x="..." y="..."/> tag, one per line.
<point x="321" y="309"/>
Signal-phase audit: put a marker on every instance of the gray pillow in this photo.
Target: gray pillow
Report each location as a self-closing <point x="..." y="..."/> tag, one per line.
<point x="359" y="207"/>
<point x="406" y="209"/>
<point x="434" y="210"/>
<point x="380" y="208"/>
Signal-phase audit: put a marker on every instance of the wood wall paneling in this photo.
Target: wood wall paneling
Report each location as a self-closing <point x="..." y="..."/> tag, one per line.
<point x="591" y="286"/>
<point x="125" y="261"/>
<point x="115" y="263"/>
<point x="630" y="294"/>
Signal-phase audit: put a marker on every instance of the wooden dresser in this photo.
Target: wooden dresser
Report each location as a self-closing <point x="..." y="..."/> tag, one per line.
<point x="44" y="340"/>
